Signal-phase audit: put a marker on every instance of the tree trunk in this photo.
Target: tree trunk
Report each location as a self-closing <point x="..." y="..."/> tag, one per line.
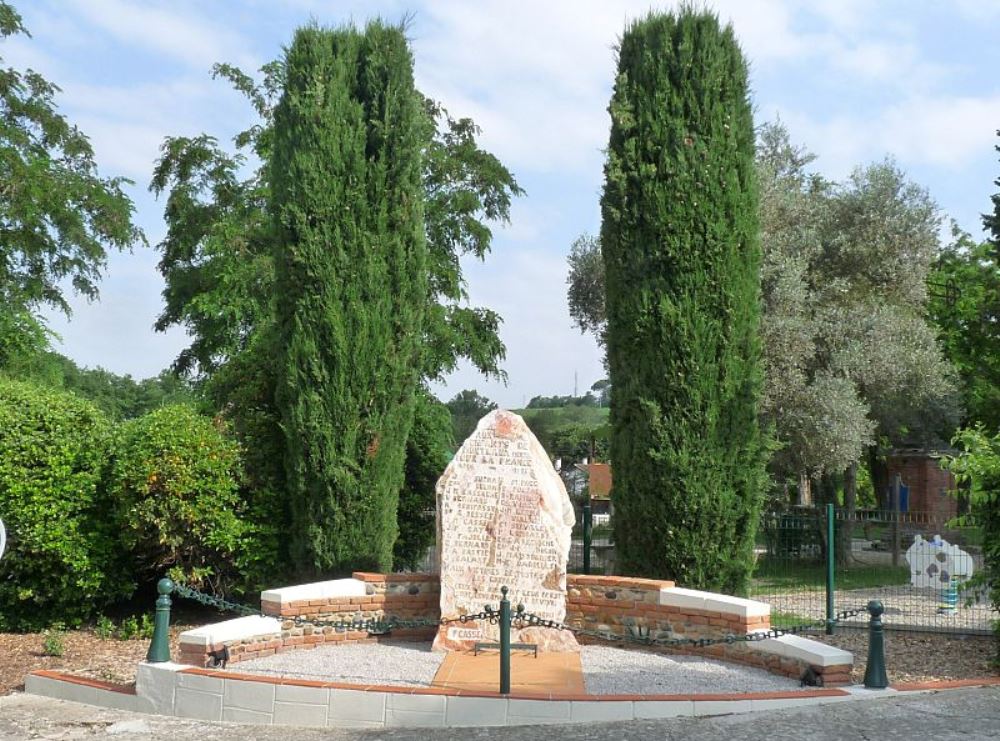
<point x="845" y="525"/>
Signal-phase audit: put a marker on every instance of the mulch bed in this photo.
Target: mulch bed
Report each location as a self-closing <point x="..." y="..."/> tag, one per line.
<point x="921" y="657"/>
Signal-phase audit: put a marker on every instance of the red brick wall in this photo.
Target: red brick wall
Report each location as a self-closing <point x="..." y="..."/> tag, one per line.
<point x="926" y="480"/>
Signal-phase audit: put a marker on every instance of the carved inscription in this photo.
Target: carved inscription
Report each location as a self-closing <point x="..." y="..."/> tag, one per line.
<point x="504" y="518"/>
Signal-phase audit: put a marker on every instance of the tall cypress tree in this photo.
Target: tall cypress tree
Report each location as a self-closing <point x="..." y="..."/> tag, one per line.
<point x="681" y="252"/>
<point x="351" y="284"/>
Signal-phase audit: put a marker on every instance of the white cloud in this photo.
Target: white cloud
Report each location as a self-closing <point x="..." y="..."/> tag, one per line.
<point x="167" y="29"/>
<point x="947" y="132"/>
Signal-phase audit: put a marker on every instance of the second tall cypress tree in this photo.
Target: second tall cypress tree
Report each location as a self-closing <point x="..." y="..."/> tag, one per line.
<point x="351" y="285"/>
<point x="680" y="245"/>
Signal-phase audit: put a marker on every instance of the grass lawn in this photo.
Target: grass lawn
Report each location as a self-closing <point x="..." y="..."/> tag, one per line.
<point x="778" y="575"/>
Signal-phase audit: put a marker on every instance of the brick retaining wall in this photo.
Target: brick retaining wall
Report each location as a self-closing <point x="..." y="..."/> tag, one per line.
<point x="606" y="603"/>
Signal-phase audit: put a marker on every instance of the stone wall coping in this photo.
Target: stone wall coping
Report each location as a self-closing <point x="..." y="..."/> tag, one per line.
<point x="316" y="590"/>
<point x="368" y="576"/>
<point x="697" y="600"/>
<point x="632" y="582"/>
<point x="805" y="650"/>
<point x="237" y="629"/>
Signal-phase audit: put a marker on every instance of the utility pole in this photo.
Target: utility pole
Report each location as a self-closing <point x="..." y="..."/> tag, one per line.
<point x="574" y="384"/>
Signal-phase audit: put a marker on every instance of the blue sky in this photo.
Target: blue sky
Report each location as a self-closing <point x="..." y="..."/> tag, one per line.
<point x="853" y="80"/>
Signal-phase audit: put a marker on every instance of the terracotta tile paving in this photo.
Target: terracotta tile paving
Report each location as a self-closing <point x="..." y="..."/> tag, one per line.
<point x="551" y="673"/>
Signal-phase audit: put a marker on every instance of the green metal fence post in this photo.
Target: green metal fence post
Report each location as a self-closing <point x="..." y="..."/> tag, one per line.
<point x="875" y="677"/>
<point x="504" y="642"/>
<point x="588" y="527"/>
<point x="159" y="647"/>
<point x="829" y="568"/>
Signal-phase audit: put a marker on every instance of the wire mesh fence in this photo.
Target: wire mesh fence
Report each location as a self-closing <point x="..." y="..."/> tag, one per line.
<point x="918" y="564"/>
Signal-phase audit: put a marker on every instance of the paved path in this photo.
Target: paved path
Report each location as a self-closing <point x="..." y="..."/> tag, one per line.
<point x="956" y="714"/>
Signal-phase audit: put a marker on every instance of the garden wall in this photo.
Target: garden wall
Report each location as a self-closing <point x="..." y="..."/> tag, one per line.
<point x="612" y="604"/>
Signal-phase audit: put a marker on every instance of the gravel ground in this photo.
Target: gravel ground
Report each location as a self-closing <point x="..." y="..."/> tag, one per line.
<point x="607" y="671"/>
<point x="613" y="671"/>
<point x="409" y="664"/>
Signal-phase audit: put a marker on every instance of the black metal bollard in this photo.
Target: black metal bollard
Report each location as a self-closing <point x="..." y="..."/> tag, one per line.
<point x="875" y="676"/>
<point x="159" y="647"/>
<point x="504" y="642"/>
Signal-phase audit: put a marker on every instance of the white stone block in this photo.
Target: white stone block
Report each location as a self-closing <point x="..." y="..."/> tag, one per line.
<point x="157" y="682"/>
<point x="73" y="692"/>
<point x="803" y="649"/>
<point x="682" y="598"/>
<point x="721" y="707"/>
<point x="783" y="703"/>
<point x="663" y="708"/>
<point x="240" y="693"/>
<point x="347" y="706"/>
<point x="200" y="682"/>
<point x="237" y="629"/>
<point x="476" y="711"/>
<point x="197" y="705"/>
<point x="599" y="711"/>
<point x="530" y="712"/>
<point x="303" y="695"/>
<point x="698" y="600"/>
<point x="299" y="714"/>
<point x="317" y="590"/>
<point x="239" y="715"/>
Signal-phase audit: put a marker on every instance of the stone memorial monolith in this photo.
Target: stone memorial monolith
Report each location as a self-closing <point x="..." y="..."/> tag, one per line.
<point x="503" y="518"/>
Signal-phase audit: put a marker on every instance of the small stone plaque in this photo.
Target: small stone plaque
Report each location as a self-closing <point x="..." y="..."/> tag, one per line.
<point x="503" y="518"/>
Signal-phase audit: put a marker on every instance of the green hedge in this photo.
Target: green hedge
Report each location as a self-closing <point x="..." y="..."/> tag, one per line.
<point x="63" y="556"/>
<point x="174" y="477"/>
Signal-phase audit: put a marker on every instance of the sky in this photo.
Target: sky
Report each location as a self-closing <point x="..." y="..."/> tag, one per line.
<point x="854" y="81"/>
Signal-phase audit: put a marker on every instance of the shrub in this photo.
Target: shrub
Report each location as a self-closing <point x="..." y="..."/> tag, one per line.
<point x="105" y="627"/>
<point x="979" y="467"/>
<point x="54" y="643"/>
<point x="175" y="477"/>
<point x="63" y="560"/>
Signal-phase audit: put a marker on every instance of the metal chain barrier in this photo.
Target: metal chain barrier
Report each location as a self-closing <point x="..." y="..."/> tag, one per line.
<point x="519" y="619"/>
<point x="635" y="632"/>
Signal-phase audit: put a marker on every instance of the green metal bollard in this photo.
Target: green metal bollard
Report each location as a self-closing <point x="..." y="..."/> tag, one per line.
<point x="504" y="642"/>
<point x="588" y="528"/>
<point x="830" y="555"/>
<point x="875" y="676"/>
<point x="159" y="647"/>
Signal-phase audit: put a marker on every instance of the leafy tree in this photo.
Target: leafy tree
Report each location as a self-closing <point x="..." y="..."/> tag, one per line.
<point x="467" y="408"/>
<point x="965" y="306"/>
<point x="586" y="286"/>
<point x="681" y="250"/>
<point x="63" y="561"/>
<point x="849" y="359"/>
<point x="58" y="216"/>
<point x="429" y="449"/>
<point x="174" y="478"/>
<point x="219" y="270"/>
<point x="978" y="466"/>
<point x="351" y="288"/>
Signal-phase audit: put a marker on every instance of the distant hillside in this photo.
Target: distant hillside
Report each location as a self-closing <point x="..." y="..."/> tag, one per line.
<point x="567" y="432"/>
<point x="561" y="416"/>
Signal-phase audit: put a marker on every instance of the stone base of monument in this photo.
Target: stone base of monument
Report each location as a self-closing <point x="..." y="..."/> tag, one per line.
<point x="465" y="696"/>
<point x="465" y="636"/>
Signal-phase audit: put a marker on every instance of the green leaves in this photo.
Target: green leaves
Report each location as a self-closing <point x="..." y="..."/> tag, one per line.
<point x="679" y="240"/>
<point x="62" y="560"/>
<point x="58" y="216"/>
<point x="174" y="478"/>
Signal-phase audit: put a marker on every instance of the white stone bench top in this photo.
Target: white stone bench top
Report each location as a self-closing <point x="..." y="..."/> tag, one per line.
<point x="232" y="630"/>
<point x="804" y="649"/>
<point x="316" y="590"/>
<point x="698" y="600"/>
